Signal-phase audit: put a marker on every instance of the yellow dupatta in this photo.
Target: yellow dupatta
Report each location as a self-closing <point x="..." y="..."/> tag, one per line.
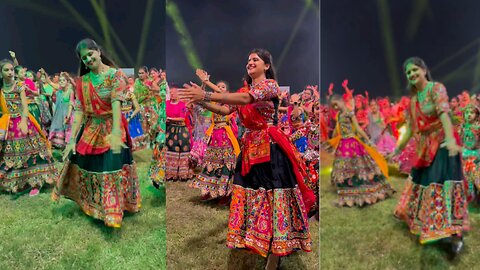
<point x="228" y="129"/>
<point x="5" y="120"/>
<point x="377" y="157"/>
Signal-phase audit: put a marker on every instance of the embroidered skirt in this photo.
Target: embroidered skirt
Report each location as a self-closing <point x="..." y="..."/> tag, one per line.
<point x="218" y="166"/>
<point x="267" y="212"/>
<point x="178" y="153"/>
<point x="103" y="185"/>
<point x="357" y="176"/>
<point x="434" y="201"/>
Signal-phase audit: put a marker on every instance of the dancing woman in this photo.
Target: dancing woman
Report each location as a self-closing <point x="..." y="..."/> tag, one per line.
<point x="61" y="122"/>
<point x="25" y="157"/>
<point x="101" y="176"/>
<point x="359" y="171"/>
<point x="218" y="164"/>
<point x="268" y="214"/>
<point x="434" y="201"/>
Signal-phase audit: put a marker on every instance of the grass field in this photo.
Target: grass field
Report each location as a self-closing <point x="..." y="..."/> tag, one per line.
<point x="197" y="233"/>
<point x="371" y="238"/>
<point x="36" y="233"/>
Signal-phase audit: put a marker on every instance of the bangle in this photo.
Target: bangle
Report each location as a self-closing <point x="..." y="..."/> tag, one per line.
<point x="208" y="96"/>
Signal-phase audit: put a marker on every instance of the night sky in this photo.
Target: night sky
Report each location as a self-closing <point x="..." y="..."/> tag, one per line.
<point x="352" y="43"/>
<point x="224" y="32"/>
<point x="48" y="40"/>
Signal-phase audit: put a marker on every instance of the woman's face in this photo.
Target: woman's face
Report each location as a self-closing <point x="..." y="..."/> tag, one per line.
<point x="62" y="81"/>
<point x="338" y="105"/>
<point x="131" y="80"/>
<point x="222" y="86"/>
<point x="7" y="72"/>
<point x="163" y="75"/>
<point x="154" y="74"/>
<point x="256" y="66"/>
<point x="21" y="74"/>
<point x="359" y="102"/>
<point x="306" y="95"/>
<point x="173" y="94"/>
<point x="415" y="74"/>
<point x="29" y="75"/>
<point x="91" y="58"/>
<point x="470" y="115"/>
<point x="453" y="103"/>
<point x="142" y="74"/>
<point x="373" y="106"/>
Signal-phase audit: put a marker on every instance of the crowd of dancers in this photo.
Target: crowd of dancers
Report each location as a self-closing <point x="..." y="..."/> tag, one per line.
<point x="427" y="136"/>
<point x="256" y="149"/>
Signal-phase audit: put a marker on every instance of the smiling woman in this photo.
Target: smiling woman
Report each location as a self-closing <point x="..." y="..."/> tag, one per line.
<point x="25" y="157"/>
<point x="101" y="176"/>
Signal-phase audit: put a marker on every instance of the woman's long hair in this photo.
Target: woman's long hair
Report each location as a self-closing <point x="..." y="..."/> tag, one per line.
<point x="91" y="45"/>
<point x="417" y="61"/>
<point x="2" y="64"/>
<point x="267" y="58"/>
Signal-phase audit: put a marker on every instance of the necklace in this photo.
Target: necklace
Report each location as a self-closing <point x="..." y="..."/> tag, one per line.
<point x="422" y="95"/>
<point x="8" y="87"/>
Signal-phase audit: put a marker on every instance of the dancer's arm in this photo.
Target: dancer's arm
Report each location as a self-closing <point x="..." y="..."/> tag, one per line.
<point x="194" y="93"/>
<point x="14" y="58"/>
<point x="218" y="109"/>
<point x="205" y="78"/>
<point x="136" y="107"/>
<point x="405" y="138"/>
<point x="116" y="142"/>
<point x="49" y="81"/>
<point x="70" y="106"/>
<point x="442" y="106"/>
<point x="23" y="122"/>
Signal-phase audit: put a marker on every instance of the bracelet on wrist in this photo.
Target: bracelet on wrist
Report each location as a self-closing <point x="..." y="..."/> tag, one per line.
<point x="208" y="96"/>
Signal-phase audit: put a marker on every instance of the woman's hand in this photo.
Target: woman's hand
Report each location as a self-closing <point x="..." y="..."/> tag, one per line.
<point x="71" y="146"/>
<point x="23" y="126"/>
<point x="116" y="143"/>
<point x="191" y="92"/>
<point x="202" y="75"/>
<point x="452" y="147"/>
<point x="12" y="54"/>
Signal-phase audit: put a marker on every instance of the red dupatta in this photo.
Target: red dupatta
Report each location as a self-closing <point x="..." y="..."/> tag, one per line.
<point x="94" y="106"/>
<point x="253" y="120"/>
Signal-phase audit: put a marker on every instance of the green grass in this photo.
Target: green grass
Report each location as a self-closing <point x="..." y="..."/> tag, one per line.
<point x="36" y="233"/>
<point x="371" y="238"/>
<point x="197" y="233"/>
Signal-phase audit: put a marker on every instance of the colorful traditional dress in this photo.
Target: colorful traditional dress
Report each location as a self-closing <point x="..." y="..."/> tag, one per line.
<point x="434" y="201"/>
<point x="145" y="100"/>
<point x="178" y="143"/>
<point x="25" y="159"/>
<point x="270" y="201"/>
<point x="359" y="171"/>
<point x="134" y="126"/>
<point x="471" y="155"/>
<point x="102" y="183"/>
<point x="157" y="166"/>
<point x="379" y="135"/>
<point x="59" y="130"/>
<point x="218" y="164"/>
<point x="31" y="92"/>
<point x="45" y="109"/>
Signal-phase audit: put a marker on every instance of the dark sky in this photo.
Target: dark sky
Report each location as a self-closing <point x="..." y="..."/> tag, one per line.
<point x="223" y="33"/>
<point x="44" y="34"/>
<point x="352" y="43"/>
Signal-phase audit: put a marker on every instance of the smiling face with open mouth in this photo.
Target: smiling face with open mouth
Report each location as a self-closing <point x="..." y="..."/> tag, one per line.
<point x="91" y="58"/>
<point x="415" y="74"/>
<point x="256" y="66"/>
